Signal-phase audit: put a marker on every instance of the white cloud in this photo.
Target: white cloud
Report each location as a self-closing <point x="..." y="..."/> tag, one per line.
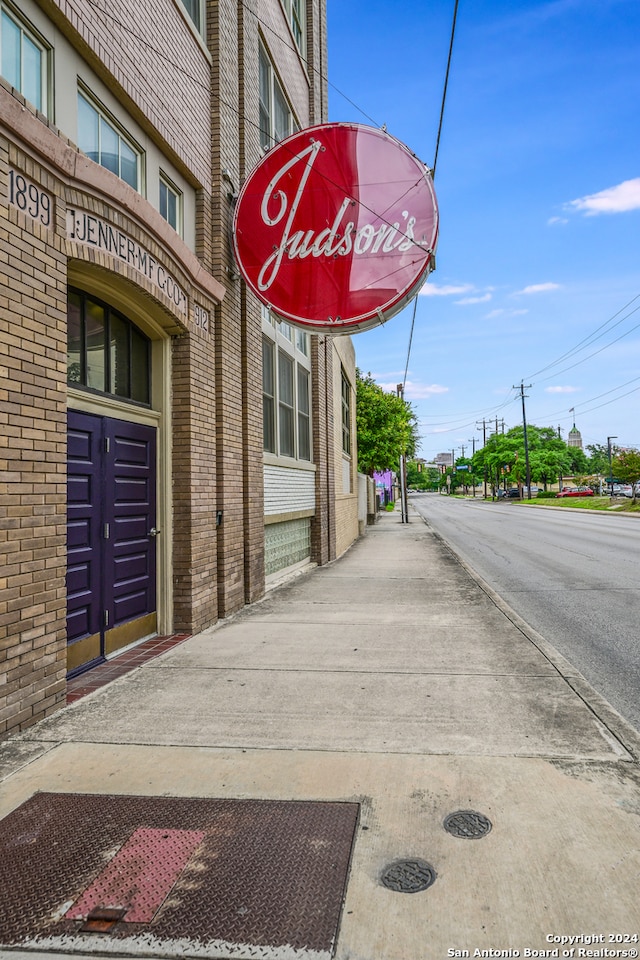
<point x="625" y="196"/>
<point x="561" y="389"/>
<point x="387" y="375"/>
<point x="467" y="300"/>
<point x="422" y="391"/>
<point x="536" y="288"/>
<point x="444" y="290"/>
<point x="415" y="391"/>
<point x="553" y="220"/>
<point x="501" y="312"/>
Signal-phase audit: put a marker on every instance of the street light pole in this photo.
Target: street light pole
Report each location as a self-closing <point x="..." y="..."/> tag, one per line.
<point x="609" y="439"/>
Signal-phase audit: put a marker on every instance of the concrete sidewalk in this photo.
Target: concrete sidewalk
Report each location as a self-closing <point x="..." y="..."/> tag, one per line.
<point x="394" y="678"/>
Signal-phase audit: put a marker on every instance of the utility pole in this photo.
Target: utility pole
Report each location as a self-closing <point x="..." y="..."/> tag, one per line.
<point x="609" y="439"/>
<point x="472" y="441"/>
<point x="404" y="506"/>
<point x="484" y="443"/>
<point x="522" y="388"/>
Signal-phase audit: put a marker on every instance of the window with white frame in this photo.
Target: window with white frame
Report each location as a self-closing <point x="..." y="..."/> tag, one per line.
<point x="171" y="203"/>
<point x="24" y="59"/>
<point x="103" y="141"/>
<point x="295" y="15"/>
<point x="275" y="116"/>
<point x="286" y="391"/>
<point x="194" y="9"/>
<point x="346" y="414"/>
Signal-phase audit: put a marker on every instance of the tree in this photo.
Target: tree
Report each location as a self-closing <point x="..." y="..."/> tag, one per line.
<point x="422" y="477"/>
<point x="386" y="426"/>
<point x="626" y="467"/>
<point x="503" y="457"/>
<point x="599" y="458"/>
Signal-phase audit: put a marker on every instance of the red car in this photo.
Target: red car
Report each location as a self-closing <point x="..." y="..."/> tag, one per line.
<point x="575" y="492"/>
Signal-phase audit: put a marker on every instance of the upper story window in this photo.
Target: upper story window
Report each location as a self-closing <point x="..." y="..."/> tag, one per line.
<point x="24" y="59"/>
<point x="276" y="119"/>
<point x="103" y="141"/>
<point x="346" y="414"/>
<point x="295" y="15"/>
<point x="171" y="203"/>
<point x="286" y="391"/>
<point x="106" y="351"/>
<point x="194" y="9"/>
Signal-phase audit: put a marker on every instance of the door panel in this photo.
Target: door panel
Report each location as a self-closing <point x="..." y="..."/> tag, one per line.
<point x="131" y="514"/>
<point x="84" y="496"/>
<point x="111" y="574"/>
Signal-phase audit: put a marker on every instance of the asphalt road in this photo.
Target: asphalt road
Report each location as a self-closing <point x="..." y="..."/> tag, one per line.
<point x="573" y="575"/>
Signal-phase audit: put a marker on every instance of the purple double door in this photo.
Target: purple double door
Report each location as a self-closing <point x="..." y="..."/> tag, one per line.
<point x="111" y="536"/>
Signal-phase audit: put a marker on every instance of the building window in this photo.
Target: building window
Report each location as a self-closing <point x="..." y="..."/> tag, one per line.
<point x="102" y="141"/>
<point x="193" y="8"/>
<point x="295" y="15"/>
<point x="276" y="119"/>
<point x="302" y="341"/>
<point x="304" y="415"/>
<point x="346" y="415"/>
<point x="268" y="395"/>
<point x="286" y="390"/>
<point x="106" y="351"/>
<point x="286" y="405"/>
<point x="23" y="59"/>
<point x="171" y="203"/>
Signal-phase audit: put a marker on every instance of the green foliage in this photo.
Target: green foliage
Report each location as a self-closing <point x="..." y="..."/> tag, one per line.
<point x="386" y="425"/>
<point x="421" y="477"/>
<point x="626" y="467"/>
<point x="599" y="459"/>
<point x="550" y="458"/>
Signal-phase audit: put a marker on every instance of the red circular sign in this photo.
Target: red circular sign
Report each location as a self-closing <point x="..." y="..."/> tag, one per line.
<point x="335" y="229"/>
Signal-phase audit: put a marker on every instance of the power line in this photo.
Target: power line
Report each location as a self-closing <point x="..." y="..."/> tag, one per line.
<point x="596" y="352"/>
<point x="591" y="338"/>
<point x="557" y="413"/>
<point x="413" y="320"/>
<point x="435" y="158"/>
<point x="446" y="84"/>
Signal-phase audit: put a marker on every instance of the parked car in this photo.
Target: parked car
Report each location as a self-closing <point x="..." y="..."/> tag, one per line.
<point x="622" y="490"/>
<point x="513" y="493"/>
<point x="575" y="492"/>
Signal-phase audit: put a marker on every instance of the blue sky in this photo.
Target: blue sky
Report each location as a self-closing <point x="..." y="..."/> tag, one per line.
<point x="538" y="186"/>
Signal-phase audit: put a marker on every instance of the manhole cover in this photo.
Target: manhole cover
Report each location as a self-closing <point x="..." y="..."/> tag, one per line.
<point x="408" y="876"/>
<point x="468" y="824"/>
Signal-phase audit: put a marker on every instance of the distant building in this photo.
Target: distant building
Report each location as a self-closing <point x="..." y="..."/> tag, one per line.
<point x="575" y="438"/>
<point x="444" y="460"/>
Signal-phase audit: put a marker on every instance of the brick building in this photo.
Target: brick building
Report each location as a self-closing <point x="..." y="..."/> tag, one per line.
<point x="168" y="447"/>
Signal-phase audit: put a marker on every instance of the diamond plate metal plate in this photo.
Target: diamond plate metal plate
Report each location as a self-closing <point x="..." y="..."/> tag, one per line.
<point x="195" y="877"/>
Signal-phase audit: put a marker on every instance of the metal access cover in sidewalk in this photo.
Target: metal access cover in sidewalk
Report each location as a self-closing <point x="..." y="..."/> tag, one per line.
<point x="167" y="877"/>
